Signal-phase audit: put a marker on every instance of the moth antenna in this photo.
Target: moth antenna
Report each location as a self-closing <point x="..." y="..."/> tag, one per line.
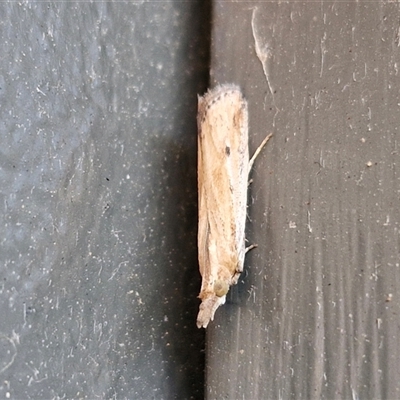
<point x="258" y="151"/>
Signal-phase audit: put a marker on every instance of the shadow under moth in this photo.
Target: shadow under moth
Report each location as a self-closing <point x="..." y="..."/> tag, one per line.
<point x="223" y="170"/>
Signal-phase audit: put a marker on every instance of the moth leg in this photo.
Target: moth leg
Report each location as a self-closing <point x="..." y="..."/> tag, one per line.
<point x="239" y="268"/>
<point x="251" y="247"/>
<point x="257" y="152"/>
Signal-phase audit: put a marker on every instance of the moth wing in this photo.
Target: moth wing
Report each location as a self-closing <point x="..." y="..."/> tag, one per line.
<point x="222" y="179"/>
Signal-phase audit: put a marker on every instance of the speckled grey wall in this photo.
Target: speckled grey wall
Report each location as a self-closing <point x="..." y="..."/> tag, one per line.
<point x="316" y="314"/>
<point x="98" y="260"/>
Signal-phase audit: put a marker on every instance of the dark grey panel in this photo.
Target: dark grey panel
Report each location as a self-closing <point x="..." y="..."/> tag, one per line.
<point x="98" y="192"/>
<point x="316" y="314"/>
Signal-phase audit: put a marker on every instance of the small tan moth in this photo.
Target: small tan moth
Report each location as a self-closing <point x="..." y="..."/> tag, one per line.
<point x="223" y="170"/>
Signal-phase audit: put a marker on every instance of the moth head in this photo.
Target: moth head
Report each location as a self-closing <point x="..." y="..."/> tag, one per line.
<point x="220" y="288"/>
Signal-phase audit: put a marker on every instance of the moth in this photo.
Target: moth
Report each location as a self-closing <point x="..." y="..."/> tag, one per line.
<point x="223" y="170"/>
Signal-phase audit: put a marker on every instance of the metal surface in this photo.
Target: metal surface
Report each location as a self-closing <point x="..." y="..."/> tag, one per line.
<point x="98" y="191"/>
<point x="317" y="312"/>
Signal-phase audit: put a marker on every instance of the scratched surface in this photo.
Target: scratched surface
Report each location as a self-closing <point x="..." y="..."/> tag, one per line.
<point x="316" y="314"/>
<point x="98" y="260"/>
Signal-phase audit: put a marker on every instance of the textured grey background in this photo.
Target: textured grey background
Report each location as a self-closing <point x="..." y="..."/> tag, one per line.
<point x="98" y="260"/>
<point x="317" y="312"/>
<point x="98" y="194"/>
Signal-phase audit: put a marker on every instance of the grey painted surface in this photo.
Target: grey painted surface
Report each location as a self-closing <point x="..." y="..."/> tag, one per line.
<point x="316" y="314"/>
<point x="98" y="259"/>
